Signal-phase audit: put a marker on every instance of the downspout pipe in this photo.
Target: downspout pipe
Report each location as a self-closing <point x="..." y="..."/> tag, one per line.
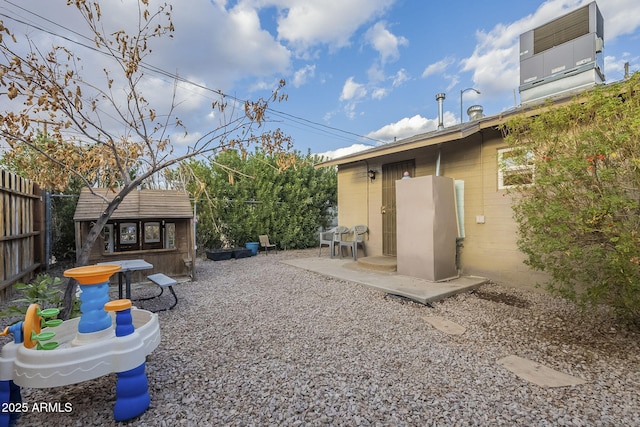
<point x="366" y="162"/>
<point x="438" y="161"/>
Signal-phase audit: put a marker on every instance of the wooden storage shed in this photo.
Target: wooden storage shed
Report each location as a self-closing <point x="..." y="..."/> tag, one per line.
<point x="154" y="225"/>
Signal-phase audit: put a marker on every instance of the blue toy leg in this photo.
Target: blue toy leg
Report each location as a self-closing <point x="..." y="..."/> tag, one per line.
<point x="4" y="401"/>
<point x="9" y="393"/>
<point x="132" y="394"/>
<point x="15" y="397"/>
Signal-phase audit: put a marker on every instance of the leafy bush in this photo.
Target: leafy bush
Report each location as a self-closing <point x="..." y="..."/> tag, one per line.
<point x="63" y="238"/>
<point x="44" y="290"/>
<point x="242" y="196"/>
<point x="580" y="221"/>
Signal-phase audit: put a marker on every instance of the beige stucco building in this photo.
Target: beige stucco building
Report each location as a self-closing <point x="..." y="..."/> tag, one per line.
<point x="555" y="64"/>
<point x="469" y="153"/>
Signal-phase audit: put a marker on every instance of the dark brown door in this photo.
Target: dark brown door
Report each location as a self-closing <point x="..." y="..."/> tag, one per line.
<point x="390" y="174"/>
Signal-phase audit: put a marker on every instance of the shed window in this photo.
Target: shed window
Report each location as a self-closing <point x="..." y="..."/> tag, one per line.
<point x="514" y="168"/>
<point x="151" y="232"/>
<point x="107" y="232"/>
<point x="128" y="233"/>
<point x="170" y="235"/>
<point x="139" y="236"/>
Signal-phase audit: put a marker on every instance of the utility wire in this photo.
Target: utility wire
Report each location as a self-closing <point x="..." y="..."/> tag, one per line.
<point x="329" y="130"/>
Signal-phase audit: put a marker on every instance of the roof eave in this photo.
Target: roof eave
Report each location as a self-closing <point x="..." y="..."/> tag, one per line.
<point x="458" y="132"/>
<point x="417" y="141"/>
<point x="451" y="134"/>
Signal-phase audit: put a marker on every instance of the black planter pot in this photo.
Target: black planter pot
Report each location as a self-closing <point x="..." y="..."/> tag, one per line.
<point x="219" y="254"/>
<point x="241" y="253"/>
<point x="225" y="254"/>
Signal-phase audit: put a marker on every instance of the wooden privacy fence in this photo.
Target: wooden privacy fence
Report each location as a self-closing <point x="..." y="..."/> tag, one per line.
<point x="21" y="247"/>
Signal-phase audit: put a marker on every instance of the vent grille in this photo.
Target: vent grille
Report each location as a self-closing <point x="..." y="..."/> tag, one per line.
<point x="561" y="30"/>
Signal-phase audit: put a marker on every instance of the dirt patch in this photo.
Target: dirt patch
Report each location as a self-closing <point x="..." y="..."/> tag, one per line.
<point x="503" y="298"/>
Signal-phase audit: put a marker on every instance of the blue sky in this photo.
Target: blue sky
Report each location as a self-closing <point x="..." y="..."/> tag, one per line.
<point x="358" y="72"/>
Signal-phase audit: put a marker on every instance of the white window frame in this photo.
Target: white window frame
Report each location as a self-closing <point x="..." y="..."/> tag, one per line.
<point x="512" y="169"/>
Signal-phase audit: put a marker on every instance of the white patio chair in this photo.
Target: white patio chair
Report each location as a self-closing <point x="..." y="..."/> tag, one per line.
<point x="352" y="239"/>
<point x="330" y="238"/>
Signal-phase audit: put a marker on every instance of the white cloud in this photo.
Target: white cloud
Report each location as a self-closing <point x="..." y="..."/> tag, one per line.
<point x="621" y="16"/>
<point x="375" y="73"/>
<point x="218" y="46"/>
<point x="350" y="110"/>
<point x="410" y="126"/>
<point x="330" y="22"/>
<point x="495" y="60"/>
<point x="302" y="75"/>
<point x="352" y="90"/>
<point x="400" y="77"/>
<point x="245" y="50"/>
<point x="352" y="93"/>
<point x="403" y="128"/>
<point x="437" y="67"/>
<point x="454" y="79"/>
<point x="344" y="151"/>
<point x="185" y="140"/>
<point x="385" y="42"/>
<point x="190" y="97"/>
<point x="379" y="93"/>
<point x="328" y="116"/>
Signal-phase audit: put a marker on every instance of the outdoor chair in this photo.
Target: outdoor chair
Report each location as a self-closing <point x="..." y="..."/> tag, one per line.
<point x="265" y="244"/>
<point x="352" y="239"/>
<point x="330" y="238"/>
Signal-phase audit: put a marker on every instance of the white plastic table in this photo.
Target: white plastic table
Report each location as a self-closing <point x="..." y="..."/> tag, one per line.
<point x="126" y="267"/>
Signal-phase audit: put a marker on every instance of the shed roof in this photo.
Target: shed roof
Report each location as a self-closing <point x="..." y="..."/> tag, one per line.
<point x="137" y="204"/>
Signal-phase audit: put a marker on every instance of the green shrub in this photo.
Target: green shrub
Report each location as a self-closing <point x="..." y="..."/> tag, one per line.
<point x="580" y="220"/>
<point x="241" y="196"/>
<point x="44" y="290"/>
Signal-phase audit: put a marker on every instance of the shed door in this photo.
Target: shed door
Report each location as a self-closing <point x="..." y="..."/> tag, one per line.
<point x="390" y="174"/>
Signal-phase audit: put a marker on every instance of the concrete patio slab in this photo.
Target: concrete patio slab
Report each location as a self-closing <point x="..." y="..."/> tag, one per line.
<point x="419" y="290"/>
<point x="444" y="325"/>
<point x="538" y="374"/>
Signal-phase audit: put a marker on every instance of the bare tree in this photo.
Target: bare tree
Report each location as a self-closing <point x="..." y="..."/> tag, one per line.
<point x="104" y="131"/>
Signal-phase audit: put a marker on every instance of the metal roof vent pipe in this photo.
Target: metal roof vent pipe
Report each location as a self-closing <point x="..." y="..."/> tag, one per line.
<point x="440" y="98"/>
<point x="475" y="112"/>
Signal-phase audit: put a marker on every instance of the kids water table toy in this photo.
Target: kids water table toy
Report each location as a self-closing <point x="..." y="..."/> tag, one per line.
<point x="110" y="336"/>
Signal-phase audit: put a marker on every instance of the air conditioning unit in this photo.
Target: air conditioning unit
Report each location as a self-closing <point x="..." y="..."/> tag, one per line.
<point x="563" y="55"/>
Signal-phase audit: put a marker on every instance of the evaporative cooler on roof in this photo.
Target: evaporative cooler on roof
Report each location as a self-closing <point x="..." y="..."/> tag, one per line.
<point x="563" y="55"/>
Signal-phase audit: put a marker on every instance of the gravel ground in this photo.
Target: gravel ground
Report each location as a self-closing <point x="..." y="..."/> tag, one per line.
<point x="254" y="342"/>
